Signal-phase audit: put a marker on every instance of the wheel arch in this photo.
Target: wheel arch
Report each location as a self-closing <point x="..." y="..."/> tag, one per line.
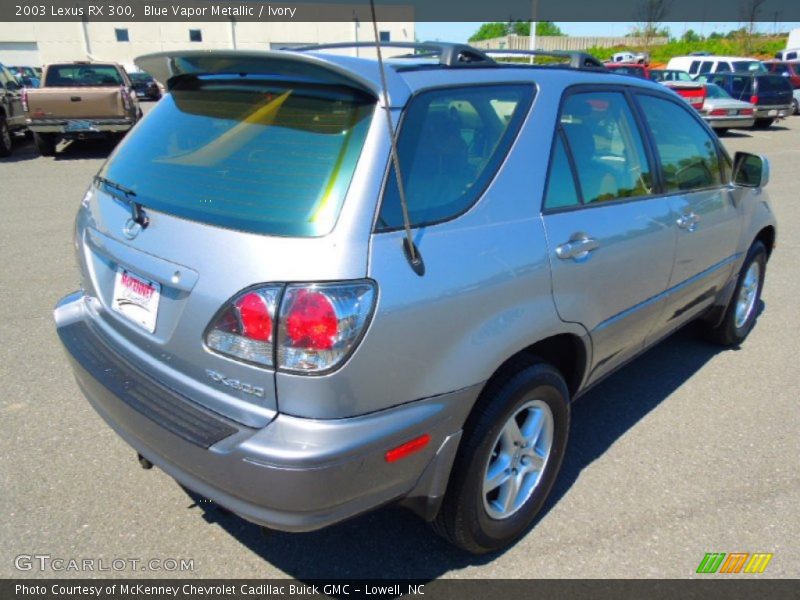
<point x="767" y="237"/>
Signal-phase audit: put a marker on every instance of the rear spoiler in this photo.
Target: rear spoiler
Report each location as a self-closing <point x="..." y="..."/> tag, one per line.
<point x="334" y="70"/>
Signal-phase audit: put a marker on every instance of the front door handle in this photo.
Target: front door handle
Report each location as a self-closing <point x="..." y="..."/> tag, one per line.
<point x="688" y="221"/>
<point x="578" y="248"/>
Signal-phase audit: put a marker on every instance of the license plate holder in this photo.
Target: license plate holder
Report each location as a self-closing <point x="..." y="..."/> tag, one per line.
<point x="79" y="126"/>
<point x="136" y="298"/>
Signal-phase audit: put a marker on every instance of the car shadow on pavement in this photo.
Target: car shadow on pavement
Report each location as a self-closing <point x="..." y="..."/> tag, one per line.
<point x="392" y="543"/>
<point x="85" y="149"/>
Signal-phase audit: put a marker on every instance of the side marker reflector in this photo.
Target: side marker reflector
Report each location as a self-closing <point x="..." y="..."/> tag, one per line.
<point x="408" y="448"/>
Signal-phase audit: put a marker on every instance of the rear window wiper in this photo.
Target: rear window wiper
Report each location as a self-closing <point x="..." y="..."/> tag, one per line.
<point x="137" y="214"/>
<point x="128" y="192"/>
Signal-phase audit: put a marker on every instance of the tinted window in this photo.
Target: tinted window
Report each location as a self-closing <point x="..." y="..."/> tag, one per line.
<point x="195" y="35"/>
<point x="606" y="147"/>
<point x="706" y="66"/>
<point x="748" y="65"/>
<point x="561" y="190"/>
<point x="695" y="66"/>
<point x="741" y="86"/>
<point x="450" y="145"/>
<point x="774" y="83"/>
<point x="791" y="56"/>
<point x="82" y="75"/>
<point x="247" y="153"/>
<point x="723" y="67"/>
<point x="688" y="153"/>
<point x="122" y="35"/>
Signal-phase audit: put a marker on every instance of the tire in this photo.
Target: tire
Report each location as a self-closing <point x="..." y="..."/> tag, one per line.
<point x="740" y="314"/>
<point x="763" y="123"/>
<point x="45" y="143"/>
<point x="6" y="143"/>
<point x="475" y="520"/>
<point x="795" y="107"/>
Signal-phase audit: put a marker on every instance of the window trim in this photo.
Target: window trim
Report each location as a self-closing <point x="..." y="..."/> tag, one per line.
<point x="707" y="128"/>
<point x="479" y="194"/>
<point x="625" y="90"/>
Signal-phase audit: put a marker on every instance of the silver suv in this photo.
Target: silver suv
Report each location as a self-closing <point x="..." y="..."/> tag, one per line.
<point x="275" y="318"/>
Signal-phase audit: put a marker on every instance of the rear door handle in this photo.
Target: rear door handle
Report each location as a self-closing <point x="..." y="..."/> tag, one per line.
<point x="577" y="249"/>
<point x="688" y="221"/>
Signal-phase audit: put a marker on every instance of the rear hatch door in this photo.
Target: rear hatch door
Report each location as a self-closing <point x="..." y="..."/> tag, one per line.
<point x="241" y="179"/>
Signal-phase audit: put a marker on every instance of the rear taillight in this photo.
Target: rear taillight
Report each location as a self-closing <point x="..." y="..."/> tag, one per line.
<point x="746" y="111"/>
<point x="245" y="327"/>
<point x="24" y="99"/>
<point x="126" y="98"/>
<point x="718" y="112"/>
<point x="317" y="325"/>
<point x="753" y="99"/>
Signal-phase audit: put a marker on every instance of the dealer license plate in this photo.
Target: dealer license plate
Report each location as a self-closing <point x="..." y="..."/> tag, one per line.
<point x="136" y="298"/>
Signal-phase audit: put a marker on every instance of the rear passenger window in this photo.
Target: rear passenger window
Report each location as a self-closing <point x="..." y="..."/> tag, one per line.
<point x="723" y="67"/>
<point x="561" y="192"/>
<point x="694" y="67"/>
<point x="450" y="145"/>
<point x="606" y="147"/>
<point x="706" y="66"/>
<point x="689" y="158"/>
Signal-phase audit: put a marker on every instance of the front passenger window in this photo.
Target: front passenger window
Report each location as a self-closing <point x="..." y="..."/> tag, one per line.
<point x="689" y="158"/>
<point x="606" y="147"/>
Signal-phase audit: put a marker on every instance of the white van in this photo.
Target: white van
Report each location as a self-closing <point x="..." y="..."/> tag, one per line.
<point x="699" y="65"/>
<point x="788" y="54"/>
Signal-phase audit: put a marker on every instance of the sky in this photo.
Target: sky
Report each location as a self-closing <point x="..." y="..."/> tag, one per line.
<point x="460" y="32"/>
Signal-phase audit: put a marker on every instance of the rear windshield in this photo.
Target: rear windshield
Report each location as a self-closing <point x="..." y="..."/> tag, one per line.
<point x="82" y="75"/>
<point x="774" y="83"/>
<point x="247" y="153"/>
<point x="741" y="86"/>
<point x="140" y="77"/>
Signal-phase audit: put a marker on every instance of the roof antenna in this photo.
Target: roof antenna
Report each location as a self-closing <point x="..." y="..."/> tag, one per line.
<point x="412" y="253"/>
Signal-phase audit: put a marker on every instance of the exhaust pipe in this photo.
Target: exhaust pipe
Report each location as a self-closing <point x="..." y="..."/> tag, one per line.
<point x="145" y="464"/>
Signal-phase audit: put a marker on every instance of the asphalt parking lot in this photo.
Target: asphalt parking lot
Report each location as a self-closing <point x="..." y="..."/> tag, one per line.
<point x="688" y="450"/>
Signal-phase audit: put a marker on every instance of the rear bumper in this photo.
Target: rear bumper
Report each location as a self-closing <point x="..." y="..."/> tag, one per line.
<point x="295" y="474"/>
<point x="64" y="126"/>
<point x="730" y="122"/>
<point x="773" y="112"/>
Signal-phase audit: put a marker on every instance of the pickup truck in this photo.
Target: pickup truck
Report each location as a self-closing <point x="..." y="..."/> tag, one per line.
<point x="80" y="100"/>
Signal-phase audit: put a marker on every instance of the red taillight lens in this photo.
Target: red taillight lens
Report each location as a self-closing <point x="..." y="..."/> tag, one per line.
<point x="753" y="99"/>
<point x="254" y="316"/>
<point x="245" y="328"/>
<point x="746" y="111"/>
<point x="317" y="325"/>
<point x="311" y="321"/>
<point x="320" y="324"/>
<point x="718" y="112"/>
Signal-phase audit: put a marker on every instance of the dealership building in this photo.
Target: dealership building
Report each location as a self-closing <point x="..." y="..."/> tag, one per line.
<point x="40" y="43"/>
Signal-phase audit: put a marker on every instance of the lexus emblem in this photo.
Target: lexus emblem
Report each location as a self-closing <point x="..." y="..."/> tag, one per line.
<point x="131" y="229"/>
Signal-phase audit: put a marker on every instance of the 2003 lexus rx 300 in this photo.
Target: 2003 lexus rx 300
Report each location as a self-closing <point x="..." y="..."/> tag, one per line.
<point x="272" y="316"/>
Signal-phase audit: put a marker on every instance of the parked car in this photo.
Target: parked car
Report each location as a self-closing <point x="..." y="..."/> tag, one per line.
<point x="145" y="86"/>
<point x="350" y="342"/>
<point x="693" y="92"/>
<point x="26" y="76"/>
<point x="790" y="70"/>
<point x="642" y="58"/>
<point x="770" y="94"/>
<point x="12" y="115"/>
<point x="78" y="101"/>
<point x="662" y="75"/>
<point x="723" y="112"/>
<point x="796" y="102"/>
<point x="715" y="64"/>
<point x="636" y="70"/>
<point x="788" y="54"/>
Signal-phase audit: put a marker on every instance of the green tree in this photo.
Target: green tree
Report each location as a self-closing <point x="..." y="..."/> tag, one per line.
<point x="691" y="36"/>
<point x="547" y="28"/>
<point x="488" y="31"/>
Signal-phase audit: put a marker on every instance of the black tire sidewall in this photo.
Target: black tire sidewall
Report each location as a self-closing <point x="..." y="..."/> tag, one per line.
<point x="5" y="150"/>
<point x="735" y="334"/>
<point x="539" y="382"/>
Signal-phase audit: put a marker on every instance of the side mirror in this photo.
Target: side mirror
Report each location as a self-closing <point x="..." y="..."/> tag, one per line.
<point x="750" y="170"/>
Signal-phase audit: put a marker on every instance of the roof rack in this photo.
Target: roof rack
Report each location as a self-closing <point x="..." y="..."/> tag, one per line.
<point x="450" y="54"/>
<point x="577" y="60"/>
<point x="464" y="55"/>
